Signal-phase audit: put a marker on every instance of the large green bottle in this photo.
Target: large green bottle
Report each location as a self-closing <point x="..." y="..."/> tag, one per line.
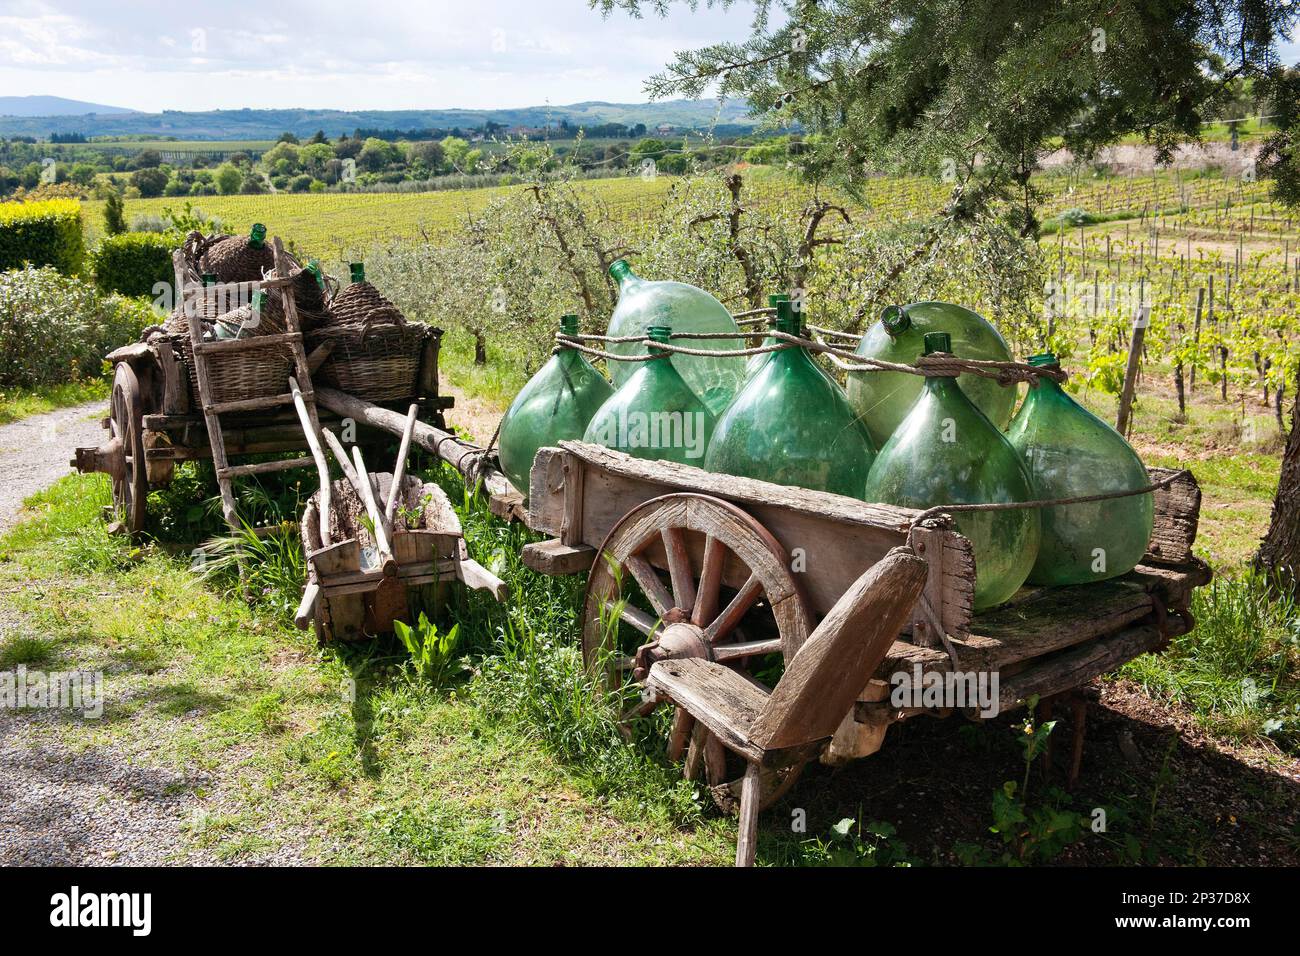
<point x="883" y="399"/>
<point x="1072" y="453"/>
<point x="946" y="451"/>
<point x="773" y="301"/>
<point x="654" y="414"/>
<point x="791" y="424"/>
<point x="684" y="308"/>
<point x="555" y="405"/>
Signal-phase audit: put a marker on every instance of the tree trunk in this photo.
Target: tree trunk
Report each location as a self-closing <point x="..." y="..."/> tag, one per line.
<point x="1280" y="549"/>
<point x="480" y="349"/>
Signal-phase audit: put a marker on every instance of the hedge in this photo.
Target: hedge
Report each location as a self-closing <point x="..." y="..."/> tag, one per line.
<point x="131" y="263"/>
<point x="44" y="233"/>
<point x="54" y="328"/>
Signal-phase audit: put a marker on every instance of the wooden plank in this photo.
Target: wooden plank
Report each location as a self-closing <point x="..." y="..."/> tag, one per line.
<point x="571" y="526"/>
<point x="1055" y="618"/>
<point x="1077" y="666"/>
<point x="555" y="557"/>
<point x="716" y="696"/>
<point x="309" y="431"/>
<point x="265" y="467"/>
<point x="816" y="693"/>
<point x="399" y="469"/>
<point x="1177" y="517"/>
<point x="248" y="404"/>
<point x="835" y="538"/>
<point x="475" y="576"/>
<point x="235" y="346"/>
<point x="176" y="390"/>
<point x="929" y="547"/>
<point x="427" y="380"/>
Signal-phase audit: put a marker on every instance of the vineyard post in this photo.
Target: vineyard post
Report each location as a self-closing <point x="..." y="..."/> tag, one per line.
<point x="1140" y="322"/>
<point x="1196" y="338"/>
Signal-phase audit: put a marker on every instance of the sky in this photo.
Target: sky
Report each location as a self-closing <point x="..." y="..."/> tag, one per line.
<point x="363" y="54"/>
<point x="375" y="54"/>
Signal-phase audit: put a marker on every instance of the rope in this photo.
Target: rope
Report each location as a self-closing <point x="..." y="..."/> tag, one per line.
<point x="935" y="365"/>
<point x="1043" y="503"/>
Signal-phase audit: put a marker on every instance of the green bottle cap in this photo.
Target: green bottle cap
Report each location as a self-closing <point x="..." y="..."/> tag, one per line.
<point x="659" y="333"/>
<point x="209" y="278"/>
<point x="895" y="319"/>
<point x="569" y="324"/>
<point x="619" y="269"/>
<point x="257" y="235"/>
<point x="1046" y="358"/>
<point x="358" y="271"/>
<point x="774" y="300"/>
<point x="314" y="268"/>
<point x="937" y="342"/>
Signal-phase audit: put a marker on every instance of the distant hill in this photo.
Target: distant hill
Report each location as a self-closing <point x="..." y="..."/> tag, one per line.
<point x="268" y="124"/>
<point x="53" y="106"/>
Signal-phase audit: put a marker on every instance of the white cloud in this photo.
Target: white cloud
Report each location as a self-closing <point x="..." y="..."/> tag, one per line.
<point x="380" y="54"/>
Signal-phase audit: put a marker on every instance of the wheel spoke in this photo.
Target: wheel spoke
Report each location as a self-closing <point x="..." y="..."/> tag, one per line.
<point x="733" y="612"/>
<point x="715" y="760"/>
<point x="728" y="652"/>
<point x="679" y="568"/>
<point x="639" y="619"/>
<point x="706" y="601"/>
<point x="654" y="589"/>
<point x="682" y="724"/>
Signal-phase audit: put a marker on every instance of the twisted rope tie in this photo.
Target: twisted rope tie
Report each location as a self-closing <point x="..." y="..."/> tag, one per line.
<point x="935" y="365"/>
<point x="937" y="510"/>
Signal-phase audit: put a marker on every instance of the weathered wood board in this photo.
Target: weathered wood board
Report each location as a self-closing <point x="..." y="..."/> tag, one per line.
<point x="579" y="492"/>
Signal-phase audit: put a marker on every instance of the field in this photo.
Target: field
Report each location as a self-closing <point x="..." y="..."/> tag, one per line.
<point x="279" y="751"/>
<point x="336" y="225"/>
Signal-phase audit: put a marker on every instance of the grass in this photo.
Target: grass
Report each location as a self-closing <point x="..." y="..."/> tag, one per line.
<point x="17" y="404"/>
<point x="347" y="756"/>
<point x="1238" y="671"/>
<point x="344" y="757"/>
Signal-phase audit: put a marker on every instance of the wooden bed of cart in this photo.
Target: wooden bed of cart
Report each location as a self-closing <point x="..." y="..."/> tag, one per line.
<point x="731" y="570"/>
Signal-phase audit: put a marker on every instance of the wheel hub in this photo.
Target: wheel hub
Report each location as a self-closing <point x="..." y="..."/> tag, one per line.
<point x="676" y="641"/>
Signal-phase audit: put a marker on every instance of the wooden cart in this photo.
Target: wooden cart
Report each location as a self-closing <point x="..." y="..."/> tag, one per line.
<point x="154" y="422"/>
<point x="729" y="570"/>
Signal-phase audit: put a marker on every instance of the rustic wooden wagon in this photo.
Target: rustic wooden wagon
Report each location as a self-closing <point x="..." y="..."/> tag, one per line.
<point x="163" y="412"/>
<point x="731" y="572"/>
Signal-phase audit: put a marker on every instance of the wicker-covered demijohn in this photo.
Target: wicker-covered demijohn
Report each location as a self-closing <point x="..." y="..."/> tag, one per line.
<point x="376" y="352"/>
<point x="238" y="258"/>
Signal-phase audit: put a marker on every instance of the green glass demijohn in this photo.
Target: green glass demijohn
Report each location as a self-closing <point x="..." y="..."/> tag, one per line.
<point x="883" y="399"/>
<point x="773" y="301"/>
<point x="654" y="414"/>
<point x="946" y="451"/>
<point x="1071" y="453"/>
<point x="791" y="424"/>
<point x="683" y="308"/>
<point x="554" y="406"/>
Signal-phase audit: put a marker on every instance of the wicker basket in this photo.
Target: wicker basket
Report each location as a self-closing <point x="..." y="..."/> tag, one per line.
<point x="258" y="372"/>
<point x="377" y="360"/>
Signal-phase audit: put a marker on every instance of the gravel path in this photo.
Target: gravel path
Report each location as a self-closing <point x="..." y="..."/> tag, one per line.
<point x="59" y="808"/>
<point x="34" y="452"/>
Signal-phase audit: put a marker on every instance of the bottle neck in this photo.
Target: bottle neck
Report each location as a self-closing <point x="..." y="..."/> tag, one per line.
<point x="623" y="274"/>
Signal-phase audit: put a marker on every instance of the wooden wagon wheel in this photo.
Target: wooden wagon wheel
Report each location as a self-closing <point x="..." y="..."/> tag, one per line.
<point x="728" y="595"/>
<point x="126" y="429"/>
